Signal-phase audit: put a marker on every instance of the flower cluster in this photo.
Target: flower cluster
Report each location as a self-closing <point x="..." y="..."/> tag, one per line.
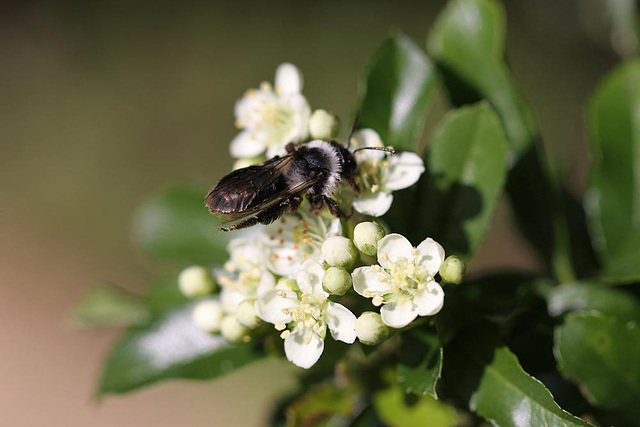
<point x="306" y="273"/>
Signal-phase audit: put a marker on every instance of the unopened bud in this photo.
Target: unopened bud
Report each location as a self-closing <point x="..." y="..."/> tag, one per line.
<point x="323" y="125"/>
<point x="231" y="330"/>
<point x="339" y="251"/>
<point x="207" y="315"/>
<point x="246" y="314"/>
<point x="370" y="329"/>
<point x="336" y="281"/>
<point x="452" y="270"/>
<point x="366" y="236"/>
<point x="196" y="281"/>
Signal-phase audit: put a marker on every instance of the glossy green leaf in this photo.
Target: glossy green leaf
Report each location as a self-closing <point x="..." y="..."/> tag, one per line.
<point x="467" y="166"/>
<point x="420" y="365"/>
<point x="396" y="408"/>
<point x="592" y="296"/>
<point x="490" y="379"/>
<point x="467" y="43"/>
<point x="396" y="91"/>
<point x="614" y="193"/>
<point x="174" y="225"/>
<point x="600" y="353"/>
<point x="170" y="346"/>
<point x="106" y="305"/>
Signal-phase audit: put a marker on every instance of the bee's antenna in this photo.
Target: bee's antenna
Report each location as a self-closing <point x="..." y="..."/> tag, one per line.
<point x="387" y="149"/>
<point x="353" y="128"/>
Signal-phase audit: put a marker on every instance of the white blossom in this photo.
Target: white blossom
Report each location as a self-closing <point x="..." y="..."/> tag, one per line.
<point x="381" y="174"/>
<point x="207" y="315"/>
<point x="196" y="281"/>
<point x="271" y="118"/>
<point x="295" y="238"/>
<point x="307" y="314"/>
<point x="403" y="282"/>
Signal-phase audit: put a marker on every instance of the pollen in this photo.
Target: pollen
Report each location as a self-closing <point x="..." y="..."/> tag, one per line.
<point x="286" y="311"/>
<point x="272" y="237"/>
<point x="246" y="338"/>
<point x="296" y="247"/>
<point x="285" y="334"/>
<point x="278" y="90"/>
<point x="366" y="293"/>
<point x="280" y="230"/>
<point x="275" y="256"/>
<point x="377" y="300"/>
<point x="280" y="326"/>
<point x="305" y="256"/>
<point x="307" y="340"/>
<point x="289" y="258"/>
<point x="282" y="241"/>
<point x="252" y="92"/>
<point x="415" y="252"/>
<point x="239" y="124"/>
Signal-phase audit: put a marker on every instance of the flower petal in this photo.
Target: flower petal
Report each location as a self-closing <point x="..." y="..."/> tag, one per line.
<point x="367" y="138"/>
<point x="246" y="144"/>
<point x="299" y="352"/>
<point x="431" y="255"/>
<point x="309" y="278"/>
<point x="399" y="315"/>
<point x="394" y="246"/>
<point x="367" y="279"/>
<point x="230" y="299"/>
<point x="341" y="322"/>
<point x="404" y="170"/>
<point x="288" y="79"/>
<point x="270" y="304"/>
<point x="267" y="282"/>
<point x="431" y="300"/>
<point x="374" y="204"/>
<point x="283" y="261"/>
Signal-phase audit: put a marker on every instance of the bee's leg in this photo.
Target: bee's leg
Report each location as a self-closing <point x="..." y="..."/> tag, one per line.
<point x="290" y="147"/>
<point x="293" y="203"/>
<point x="333" y="207"/>
<point x="265" y="217"/>
<point x="316" y="202"/>
<point x="353" y="184"/>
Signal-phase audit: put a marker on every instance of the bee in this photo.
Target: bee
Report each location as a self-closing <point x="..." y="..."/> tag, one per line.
<point x="260" y="194"/>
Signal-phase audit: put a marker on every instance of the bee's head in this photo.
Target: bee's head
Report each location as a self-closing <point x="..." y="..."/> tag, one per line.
<point x="348" y="164"/>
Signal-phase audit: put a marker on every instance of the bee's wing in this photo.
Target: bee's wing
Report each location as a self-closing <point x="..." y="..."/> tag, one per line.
<point x="248" y="187"/>
<point x="274" y="200"/>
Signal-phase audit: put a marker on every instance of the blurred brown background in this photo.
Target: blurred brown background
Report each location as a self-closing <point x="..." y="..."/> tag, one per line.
<point x="101" y="103"/>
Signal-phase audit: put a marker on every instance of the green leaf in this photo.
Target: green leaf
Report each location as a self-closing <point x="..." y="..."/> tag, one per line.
<point x="613" y="201"/>
<point x="600" y="353"/>
<point x="174" y="225"/>
<point x="488" y="376"/>
<point x="467" y="167"/>
<point x="106" y="305"/>
<point x="420" y="366"/>
<point x="326" y="404"/>
<point x="398" y="409"/>
<point x="170" y="346"/>
<point x="396" y="91"/>
<point x="467" y="43"/>
<point x="592" y="296"/>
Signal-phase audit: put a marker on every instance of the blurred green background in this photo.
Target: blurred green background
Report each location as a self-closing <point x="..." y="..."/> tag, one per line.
<point x="102" y="103"/>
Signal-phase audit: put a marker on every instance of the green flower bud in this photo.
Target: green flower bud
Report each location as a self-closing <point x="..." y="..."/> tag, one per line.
<point x="366" y="236"/>
<point x="323" y="125"/>
<point x="196" y="281"/>
<point x="370" y="329"/>
<point x="231" y="330"/>
<point x="339" y="251"/>
<point x="207" y="315"/>
<point x="452" y="270"/>
<point x="246" y="314"/>
<point x="336" y="281"/>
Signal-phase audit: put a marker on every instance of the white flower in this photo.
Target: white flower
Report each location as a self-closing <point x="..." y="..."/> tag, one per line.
<point x="339" y="251"/>
<point x="380" y="175"/>
<point x="269" y="118"/>
<point x="207" y="315"/>
<point x="370" y="328"/>
<point x="308" y="314"/>
<point x="295" y="238"/>
<point x="403" y="282"/>
<point x="366" y="236"/>
<point x="323" y="125"/>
